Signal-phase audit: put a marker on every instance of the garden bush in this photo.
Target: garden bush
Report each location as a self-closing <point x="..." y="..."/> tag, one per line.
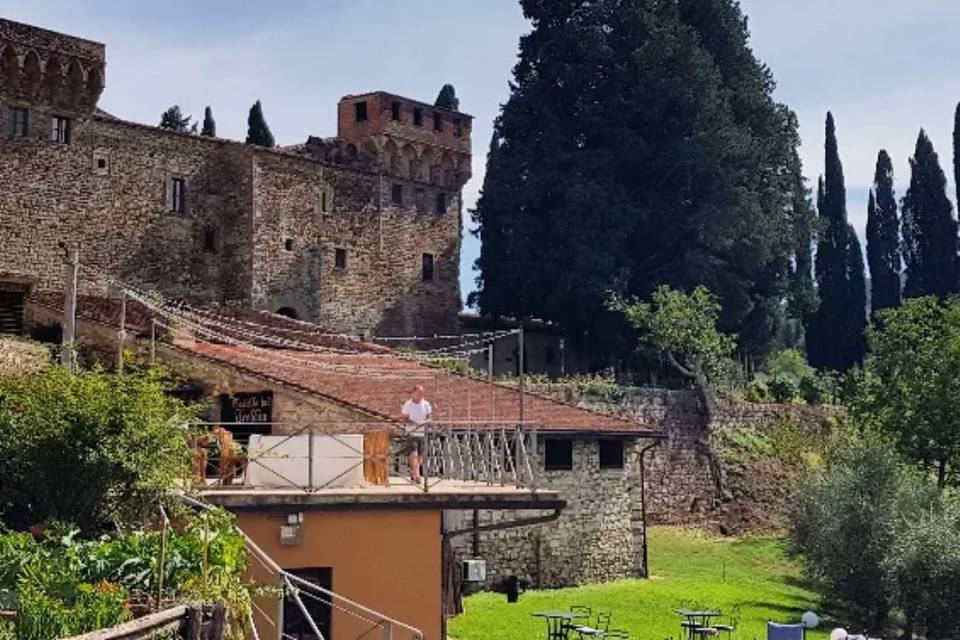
<point x="97" y="449"/>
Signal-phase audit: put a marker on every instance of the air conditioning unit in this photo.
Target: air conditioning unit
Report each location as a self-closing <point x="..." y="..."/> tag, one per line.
<point x="474" y="570"/>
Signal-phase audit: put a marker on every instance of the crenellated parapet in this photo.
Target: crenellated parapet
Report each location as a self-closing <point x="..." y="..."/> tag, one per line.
<point x="53" y="71"/>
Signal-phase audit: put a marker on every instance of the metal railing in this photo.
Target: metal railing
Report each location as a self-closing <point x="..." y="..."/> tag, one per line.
<point x="462" y="452"/>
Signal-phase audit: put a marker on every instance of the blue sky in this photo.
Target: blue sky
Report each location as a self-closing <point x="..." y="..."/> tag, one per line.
<point x="885" y="67"/>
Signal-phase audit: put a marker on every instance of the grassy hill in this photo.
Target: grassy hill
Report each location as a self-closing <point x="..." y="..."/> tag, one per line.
<point x="688" y="568"/>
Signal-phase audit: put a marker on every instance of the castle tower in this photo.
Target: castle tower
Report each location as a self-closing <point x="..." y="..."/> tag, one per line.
<point x="406" y="139"/>
<point x="48" y="81"/>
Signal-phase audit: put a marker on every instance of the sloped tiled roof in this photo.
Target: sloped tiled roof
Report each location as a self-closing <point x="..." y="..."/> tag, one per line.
<point x="379" y="383"/>
<point x="351" y="372"/>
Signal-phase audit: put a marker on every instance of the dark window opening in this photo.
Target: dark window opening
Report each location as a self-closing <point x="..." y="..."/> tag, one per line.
<point x="418" y="117"/>
<point x="419" y="198"/>
<point x="11" y="309"/>
<point x="209" y="240"/>
<point x="437" y="122"/>
<point x="361" y="111"/>
<point x="458" y="127"/>
<point x="288" y="244"/>
<point x="441" y="202"/>
<point x="323" y="201"/>
<point x="288" y="312"/>
<point x="101" y="163"/>
<point x="395" y="110"/>
<point x="396" y="194"/>
<point x="60" y="130"/>
<point x="428" y="267"/>
<point x="557" y="454"/>
<point x="295" y="625"/>
<point x="177" y="192"/>
<point x="340" y="259"/>
<point x="611" y="454"/>
<point x="20" y="122"/>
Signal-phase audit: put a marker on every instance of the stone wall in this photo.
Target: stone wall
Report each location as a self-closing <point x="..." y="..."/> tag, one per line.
<point x="259" y="226"/>
<point x="597" y="538"/>
<point x="689" y="480"/>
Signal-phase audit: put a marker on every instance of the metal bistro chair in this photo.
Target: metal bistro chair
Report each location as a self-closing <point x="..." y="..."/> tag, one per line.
<point x="728" y="627"/>
<point x="597" y="629"/>
<point x="570" y="626"/>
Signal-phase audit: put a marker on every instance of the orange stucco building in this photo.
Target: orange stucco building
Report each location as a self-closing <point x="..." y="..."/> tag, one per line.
<point x="381" y="547"/>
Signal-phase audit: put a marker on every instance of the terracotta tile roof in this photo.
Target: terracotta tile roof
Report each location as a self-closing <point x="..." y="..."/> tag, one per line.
<point x="365" y="376"/>
<point x="379" y="383"/>
<point x="96" y="309"/>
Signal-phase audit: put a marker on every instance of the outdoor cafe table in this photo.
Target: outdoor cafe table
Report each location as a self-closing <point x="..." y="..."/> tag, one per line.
<point x="556" y="622"/>
<point x="697" y="618"/>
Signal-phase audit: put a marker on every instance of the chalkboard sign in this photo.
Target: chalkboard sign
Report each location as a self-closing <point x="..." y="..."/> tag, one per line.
<point x="247" y="408"/>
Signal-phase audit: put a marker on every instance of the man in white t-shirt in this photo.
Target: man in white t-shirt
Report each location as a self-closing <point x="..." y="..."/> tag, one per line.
<point x="416" y="412"/>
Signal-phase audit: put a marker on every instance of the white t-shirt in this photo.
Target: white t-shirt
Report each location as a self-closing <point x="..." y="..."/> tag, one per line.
<point x="417" y="413"/>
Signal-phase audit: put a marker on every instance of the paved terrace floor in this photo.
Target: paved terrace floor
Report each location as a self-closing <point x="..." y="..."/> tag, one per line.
<point x="398" y="494"/>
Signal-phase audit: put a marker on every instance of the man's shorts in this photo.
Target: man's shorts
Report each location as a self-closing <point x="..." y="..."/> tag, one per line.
<point x="412" y="444"/>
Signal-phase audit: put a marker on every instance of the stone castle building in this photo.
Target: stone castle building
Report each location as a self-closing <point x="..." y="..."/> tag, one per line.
<point x="359" y="233"/>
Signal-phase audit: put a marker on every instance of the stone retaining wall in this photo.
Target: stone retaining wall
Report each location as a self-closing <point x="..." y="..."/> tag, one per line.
<point x="599" y="536"/>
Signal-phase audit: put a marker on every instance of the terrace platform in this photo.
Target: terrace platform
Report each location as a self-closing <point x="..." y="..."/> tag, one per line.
<point x="400" y="493"/>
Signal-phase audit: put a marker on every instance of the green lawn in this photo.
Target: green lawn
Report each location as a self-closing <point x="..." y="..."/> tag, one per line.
<point x="687" y="566"/>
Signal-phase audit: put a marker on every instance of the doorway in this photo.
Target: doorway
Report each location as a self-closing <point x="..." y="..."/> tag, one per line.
<point x="295" y="625"/>
<point x="11" y="308"/>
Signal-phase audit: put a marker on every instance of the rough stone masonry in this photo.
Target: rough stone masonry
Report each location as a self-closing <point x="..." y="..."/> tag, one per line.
<point x="359" y="233"/>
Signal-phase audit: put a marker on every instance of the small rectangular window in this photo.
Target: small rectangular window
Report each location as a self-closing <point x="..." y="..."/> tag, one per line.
<point x="60" y="130"/>
<point x="177" y="195"/>
<point x="611" y="454"/>
<point x="396" y="194"/>
<point x="418" y="117"/>
<point x="19" y="122"/>
<point x="421" y="207"/>
<point x="323" y="201"/>
<point x="340" y="259"/>
<point x="437" y="122"/>
<point x="557" y="454"/>
<point x="458" y="127"/>
<point x="361" y="111"/>
<point x="428" y="267"/>
<point x="441" y="202"/>
<point x="209" y="240"/>
<point x="395" y="111"/>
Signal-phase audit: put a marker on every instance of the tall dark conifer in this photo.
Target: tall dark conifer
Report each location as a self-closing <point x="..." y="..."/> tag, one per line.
<point x="641" y="145"/>
<point x="835" y="333"/>
<point x="209" y="124"/>
<point x="883" y="238"/>
<point x="447" y="98"/>
<point x="929" y="228"/>
<point x="258" y="132"/>
<point x="956" y="152"/>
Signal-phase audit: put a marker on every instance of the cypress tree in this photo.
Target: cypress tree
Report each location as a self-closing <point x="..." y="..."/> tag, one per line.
<point x="929" y="228"/>
<point x="883" y="238"/>
<point x="447" y="99"/>
<point x="258" y="132"/>
<point x="956" y="152"/>
<point x="855" y="311"/>
<point x="209" y="124"/>
<point x="834" y="335"/>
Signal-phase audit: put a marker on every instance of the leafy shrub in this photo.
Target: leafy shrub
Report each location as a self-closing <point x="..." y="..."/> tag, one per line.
<point x="116" y="441"/>
<point x="784" y="389"/>
<point x="924" y="570"/>
<point x="847" y="517"/>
